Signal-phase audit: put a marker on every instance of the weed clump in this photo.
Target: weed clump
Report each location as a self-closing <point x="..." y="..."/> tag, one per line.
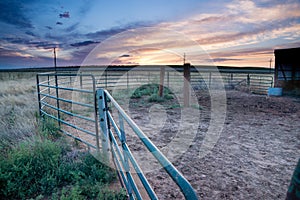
<point x="151" y="90"/>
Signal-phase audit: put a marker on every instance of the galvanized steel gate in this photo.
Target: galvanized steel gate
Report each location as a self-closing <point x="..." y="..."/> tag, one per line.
<point x="111" y="137"/>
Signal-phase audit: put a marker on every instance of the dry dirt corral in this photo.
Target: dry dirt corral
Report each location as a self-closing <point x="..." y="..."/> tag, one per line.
<point x="254" y="157"/>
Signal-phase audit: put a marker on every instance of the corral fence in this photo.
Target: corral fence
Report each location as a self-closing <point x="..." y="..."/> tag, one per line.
<point x="81" y="104"/>
<point x="82" y="111"/>
<point x="255" y="80"/>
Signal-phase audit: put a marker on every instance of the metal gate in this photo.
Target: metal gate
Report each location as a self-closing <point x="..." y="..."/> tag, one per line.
<point x="105" y="134"/>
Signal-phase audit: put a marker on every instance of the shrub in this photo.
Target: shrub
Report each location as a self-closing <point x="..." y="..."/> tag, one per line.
<point x="156" y="98"/>
<point x="47" y="168"/>
<point x="29" y="169"/>
<point x="152" y="91"/>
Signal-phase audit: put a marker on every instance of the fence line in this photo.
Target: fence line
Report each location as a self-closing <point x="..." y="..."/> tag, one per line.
<point x="257" y="81"/>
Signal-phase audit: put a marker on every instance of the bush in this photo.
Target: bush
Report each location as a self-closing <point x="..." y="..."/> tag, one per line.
<point x="49" y="128"/>
<point x="152" y="91"/>
<point x="156" y="98"/>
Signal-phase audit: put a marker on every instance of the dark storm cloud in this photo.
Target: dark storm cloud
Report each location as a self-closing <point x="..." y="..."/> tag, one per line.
<point x="211" y="19"/>
<point x="43" y="45"/>
<point x="12" y="12"/>
<point x="30" y="33"/>
<point x="85" y="43"/>
<point x="64" y="15"/>
<point x="241" y="53"/>
<point x="30" y="43"/>
<point x="49" y="27"/>
<point x="225" y="59"/>
<point x="104" y="34"/>
<point x="15" y="40"/>
<point x="124" y="56"/>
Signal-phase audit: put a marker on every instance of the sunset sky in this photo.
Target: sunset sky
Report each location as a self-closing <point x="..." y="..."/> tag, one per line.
<point x="230" y="33"/>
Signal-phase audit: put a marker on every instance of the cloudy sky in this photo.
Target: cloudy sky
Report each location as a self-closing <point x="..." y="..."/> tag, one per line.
<point x="228" y="32"/>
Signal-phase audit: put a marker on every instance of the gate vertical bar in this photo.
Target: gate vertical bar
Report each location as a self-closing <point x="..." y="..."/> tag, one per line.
<point x="126" y="164"/>
<point x="48" y="84"/>
<point x="38" y="93"/>
<point x="95" y="112"/>
<point x="103" y="120"/>
<point x="57" y="99"/>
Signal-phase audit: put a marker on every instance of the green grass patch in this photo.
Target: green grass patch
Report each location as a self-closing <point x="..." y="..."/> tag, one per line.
<point x="47" y="167"/>
<point x="151" y="90"/>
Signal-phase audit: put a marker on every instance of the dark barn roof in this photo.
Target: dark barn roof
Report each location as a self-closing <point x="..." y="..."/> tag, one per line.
<point x="288" y="56"/>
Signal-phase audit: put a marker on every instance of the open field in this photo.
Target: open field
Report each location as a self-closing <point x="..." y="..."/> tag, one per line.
<point x="18" y="107"/>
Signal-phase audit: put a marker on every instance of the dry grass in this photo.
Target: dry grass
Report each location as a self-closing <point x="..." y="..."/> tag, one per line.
<point x="18" y="107"/>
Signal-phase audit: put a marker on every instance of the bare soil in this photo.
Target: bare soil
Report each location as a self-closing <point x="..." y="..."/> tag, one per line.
<point x="254" y="157"/>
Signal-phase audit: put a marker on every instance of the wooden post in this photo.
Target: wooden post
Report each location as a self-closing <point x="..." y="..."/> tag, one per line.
<point x="209" y="82"/>
<point x="161" y="83"/>
<point x="80" y="80"/>
<point x="186" y="83"/>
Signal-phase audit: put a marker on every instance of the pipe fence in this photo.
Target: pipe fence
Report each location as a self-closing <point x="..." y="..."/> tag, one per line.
<point x="82" y="110"/>
<point x="81" y="104"/>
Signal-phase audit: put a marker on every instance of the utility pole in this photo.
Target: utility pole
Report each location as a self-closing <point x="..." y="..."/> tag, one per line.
<point x="54" y="51"/>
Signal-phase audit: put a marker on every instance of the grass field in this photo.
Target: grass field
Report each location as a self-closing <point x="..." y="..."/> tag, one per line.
<point x="36" y="161"/>
<point x="18" y="109"/>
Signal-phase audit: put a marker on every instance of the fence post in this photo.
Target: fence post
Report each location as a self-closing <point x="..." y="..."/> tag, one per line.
<point x="57" y="100"/>
<point x="95" y="112"/>
<point x="127" y="74"/>
<point x="103" y="120"/>
<point x="209" y="81"/>
<point x="80" y="80"/>
<point x="168" y="79"/>
<point x="38" y="93"/>
<point x="186" y="83"/>
<point x="48" y="84"/>
<point x="161" y="83"/>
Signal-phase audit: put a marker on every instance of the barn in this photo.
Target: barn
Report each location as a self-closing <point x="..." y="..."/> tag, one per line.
<point x="287" y="70"/>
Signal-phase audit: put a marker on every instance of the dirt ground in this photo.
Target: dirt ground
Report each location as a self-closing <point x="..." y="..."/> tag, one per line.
<point x="253" y="158"/>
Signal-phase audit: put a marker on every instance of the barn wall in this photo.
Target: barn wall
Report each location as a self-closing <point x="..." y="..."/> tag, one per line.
<point x="287" y="70"/>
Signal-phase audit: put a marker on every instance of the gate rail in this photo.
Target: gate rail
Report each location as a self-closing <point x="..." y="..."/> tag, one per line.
<point x="52" y="93"/>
